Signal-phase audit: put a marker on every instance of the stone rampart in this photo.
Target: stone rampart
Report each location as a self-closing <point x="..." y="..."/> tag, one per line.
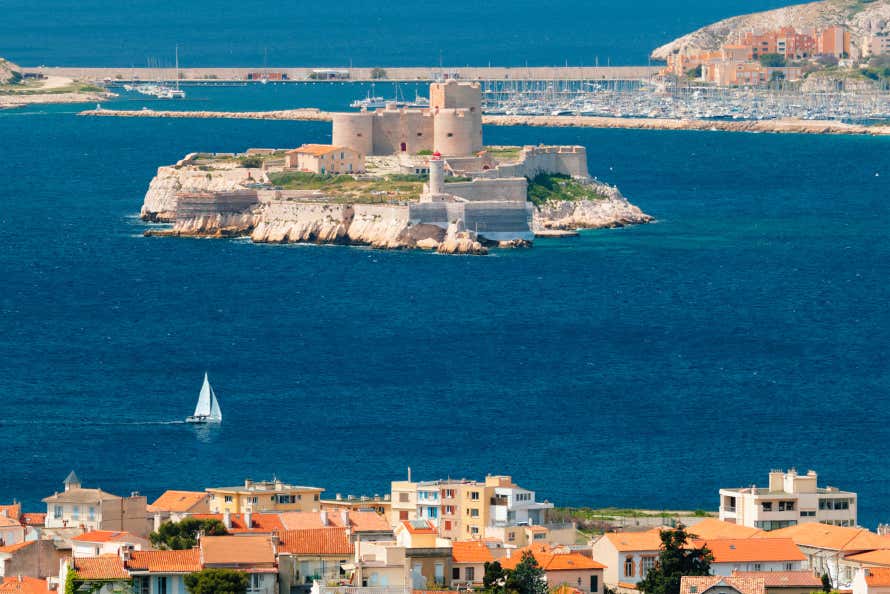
<point x="503" y="189"/>
<point x="566" y="160"/>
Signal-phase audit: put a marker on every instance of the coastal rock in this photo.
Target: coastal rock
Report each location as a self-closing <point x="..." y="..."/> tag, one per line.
<point x="8" y="71"/>
<point x="159" y="204"/>
<point x="284" y="221"/>
<point x="610" y="212"/>
<point x="459" y="241"/>
<point x="211" y="226"/>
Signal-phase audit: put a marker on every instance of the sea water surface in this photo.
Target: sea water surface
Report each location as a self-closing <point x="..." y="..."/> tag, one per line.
<point x="746" y="329"/>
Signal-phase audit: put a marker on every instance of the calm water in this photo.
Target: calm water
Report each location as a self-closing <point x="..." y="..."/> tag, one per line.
<point x="747" y="329"/>
<point x="301" y="32"/>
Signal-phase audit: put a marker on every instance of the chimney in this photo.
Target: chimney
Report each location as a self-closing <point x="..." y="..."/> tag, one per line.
<point x="409" y="474"/>
<point x="248" y="483"/>
<point x="324" y="517"/>
<point x="227" y="520"/>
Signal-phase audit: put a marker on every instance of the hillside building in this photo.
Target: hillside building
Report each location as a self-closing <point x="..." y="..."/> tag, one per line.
<point x="789" y="499"/>
<point x="95" y="509"/>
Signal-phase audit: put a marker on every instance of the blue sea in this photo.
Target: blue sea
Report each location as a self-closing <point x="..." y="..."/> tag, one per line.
<point x="746" y="329"/>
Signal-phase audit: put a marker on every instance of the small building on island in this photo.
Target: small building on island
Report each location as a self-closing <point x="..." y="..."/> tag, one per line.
<point x="325" y="159"/>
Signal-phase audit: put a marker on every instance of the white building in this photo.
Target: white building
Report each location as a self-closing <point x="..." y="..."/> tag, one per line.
<point x="789" y="499"/>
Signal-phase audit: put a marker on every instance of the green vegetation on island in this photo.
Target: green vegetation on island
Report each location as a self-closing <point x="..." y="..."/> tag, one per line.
<point x="346" y="188"/>
<point x="545" y="188"/>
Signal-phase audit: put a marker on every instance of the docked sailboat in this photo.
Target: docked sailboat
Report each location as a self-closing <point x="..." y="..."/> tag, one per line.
<point x="207" y="409"/>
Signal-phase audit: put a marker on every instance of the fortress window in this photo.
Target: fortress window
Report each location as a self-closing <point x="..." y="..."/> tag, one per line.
<point x="450" y="134"/>
<point x="359" y="134"/>
<point x="472" y="109"/>
<point x="420" y="133"/>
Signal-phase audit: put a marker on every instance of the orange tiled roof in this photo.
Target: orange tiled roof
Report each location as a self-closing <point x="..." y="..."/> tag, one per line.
<point x="186" y="561"/>
<point x="419" y="527"/>
<point x="24" y="585"/>
<point x="701" y="584"/>
<point x="34" y="519"/>
<point x="878" y="576"/>
<point x="13" y="511"/>
<point x="746" y="550"/>
<point x="650" y="540"/>
<point x="552" y="559"/>
<point x="823" y="536"/>
<point x="783" y="579"/>
<point x="316" y="149"/>
<point x="714" y="528"/>
<point x="177" y="501"/>
<point x="6" y="522"/>
<point x="359" y="521"/>
<point x="104" y="567"/>
<point x="317" y="541"/>
<point x="258" y="522"/>
<point x="471" y="551"/>
<point x="106" y="536"/>
<point x="16" y="547"/>
<point x="240" y="550"/>
<point x="879" y="557"/>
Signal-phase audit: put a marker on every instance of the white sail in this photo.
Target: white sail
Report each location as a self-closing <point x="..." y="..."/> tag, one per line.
<point x="215" y="413"/>
<point x="202" y="409"/>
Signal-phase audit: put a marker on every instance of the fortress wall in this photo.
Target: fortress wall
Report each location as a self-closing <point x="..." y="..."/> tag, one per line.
<point x="354" y="130"/>
<point x="394" y="127"/>
<point x="502" y="190"/>
<point x="454" y="94"/>
<point x="202" y="204"/>
<point x="458" y="132"/>
<point x="499" y="221"/>
<point x="570" y="161"/>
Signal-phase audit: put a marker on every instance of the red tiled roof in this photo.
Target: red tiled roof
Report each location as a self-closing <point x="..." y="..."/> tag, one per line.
<point x="783" y="579"/>
<point x="259" y="522"/>
<point x="16" y="547"/>
<point x="6" y="522"/>
<point x="419" y="527"/>
<point x="713" y="528"/>
<point x="650" y="540"/>
<point x="237" y="550"/>
<point x="877" y="576"/>
<point x="836" y="538"/>
<point x="186" y="561"/>
<point x="13" y="511"/>
<point x="24" y="585"/>
<point x="106" y="536"/>
<point x="178" y="501"/>
<point x="359" y="521"/>
<point x="552" y="559"/>
<point x="701" y="584"/>
<point x="316" y="149"/>
<point x="33" y="519"/>
<point x="317" y="541"/>
<point x="105" y="567"/>
<point x="879" y="557"/>
<point x="734" y="550"/>
<point x="471" y="551"/>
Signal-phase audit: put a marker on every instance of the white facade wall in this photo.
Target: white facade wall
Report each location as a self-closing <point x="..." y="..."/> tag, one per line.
<point x="726" y="569"/>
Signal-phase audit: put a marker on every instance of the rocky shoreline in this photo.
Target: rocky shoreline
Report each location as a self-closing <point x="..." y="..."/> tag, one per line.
<point x="381" y="226"/>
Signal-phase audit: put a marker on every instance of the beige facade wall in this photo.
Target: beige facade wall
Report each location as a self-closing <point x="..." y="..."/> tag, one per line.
<point x="344" y="160"/>
<point x="404" y="501"/>
<point x="237" y="502"/>
<point x="474" y="510"/>
<point x="580" y="579"/>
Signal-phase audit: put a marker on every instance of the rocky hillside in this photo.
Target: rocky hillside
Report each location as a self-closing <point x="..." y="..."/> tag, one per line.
<point x="862" y="17"/>
<point x="8" y="71"/>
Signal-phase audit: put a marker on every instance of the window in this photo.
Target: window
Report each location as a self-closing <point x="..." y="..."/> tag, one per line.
<point x="511" y="537"/>
<point x="449" y="493"/>
<point x="162" y="585"/>
<point x="450" y="134"/>
<point x="767" y="506"/>
<point x="594" y="584"/>
<point x="342" y="156"/>
<point x="75" y="512"/>
<point x="474" y="495"/>
<point x="403" y="497"/>
<point x="449" y="509"/>
<point x="757" y="567"/>
<point x="316" y="496"/>
<point x="143" y="585"/>
<point x="474" y="513"/>
<point x="57" y="512"/>
<point x="646" y="564"/>
<point x="474" y="530"/>
<point x="98" y="551"/>
<point x="254" y="499"/>
<point x="227" y="499"/>
<point x="92" y="513"/>
<point x="403" y="515"/>
<point x="789" y="567"/>
<point x="629" y="566"/>
<point x="447" y="524"/>
<point x="470" y="573"/>
<point x="786" y="506"/>
<point x="808" y="514"/>
<point x="256" y="581"/>
<point x="455" y="573"/>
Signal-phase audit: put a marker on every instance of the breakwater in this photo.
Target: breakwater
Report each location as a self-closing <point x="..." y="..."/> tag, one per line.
<point x="382" y="74"/>
<point x="781" y="126"/>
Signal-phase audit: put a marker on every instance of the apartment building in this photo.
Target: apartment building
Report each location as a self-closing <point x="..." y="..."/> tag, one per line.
<point x="95" y="509"/>
<point x="790" y="499"/>
<point x="264" y="496"/>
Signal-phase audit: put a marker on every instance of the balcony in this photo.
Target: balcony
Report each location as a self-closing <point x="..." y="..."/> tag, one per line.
<point x="727" y="509"/>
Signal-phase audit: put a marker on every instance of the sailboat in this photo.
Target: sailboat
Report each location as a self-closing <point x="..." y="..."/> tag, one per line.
<point x="207" y="409"/>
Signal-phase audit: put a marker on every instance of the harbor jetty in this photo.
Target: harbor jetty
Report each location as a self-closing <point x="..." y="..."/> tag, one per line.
<point x="778" y="126"/>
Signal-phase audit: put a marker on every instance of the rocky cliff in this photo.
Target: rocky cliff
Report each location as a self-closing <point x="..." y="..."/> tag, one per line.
<point x="862" y="17"/>
<point x="8" y="71"/>
<point x="606" y="213"/>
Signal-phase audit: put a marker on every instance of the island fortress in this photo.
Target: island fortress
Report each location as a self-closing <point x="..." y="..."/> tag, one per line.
<point x="392" y="178"/>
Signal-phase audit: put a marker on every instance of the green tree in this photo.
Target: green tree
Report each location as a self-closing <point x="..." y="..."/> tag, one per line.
<point x="826" y="583"/>
<point x="216" y="581"/>
<point x="494" y="573"/>
<point x="772" y="60"/>
<point x="378" y="73"/>
<point x="527" y="577"/>
<point x="675" y="560"/>
<point x="184" y="535"/>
